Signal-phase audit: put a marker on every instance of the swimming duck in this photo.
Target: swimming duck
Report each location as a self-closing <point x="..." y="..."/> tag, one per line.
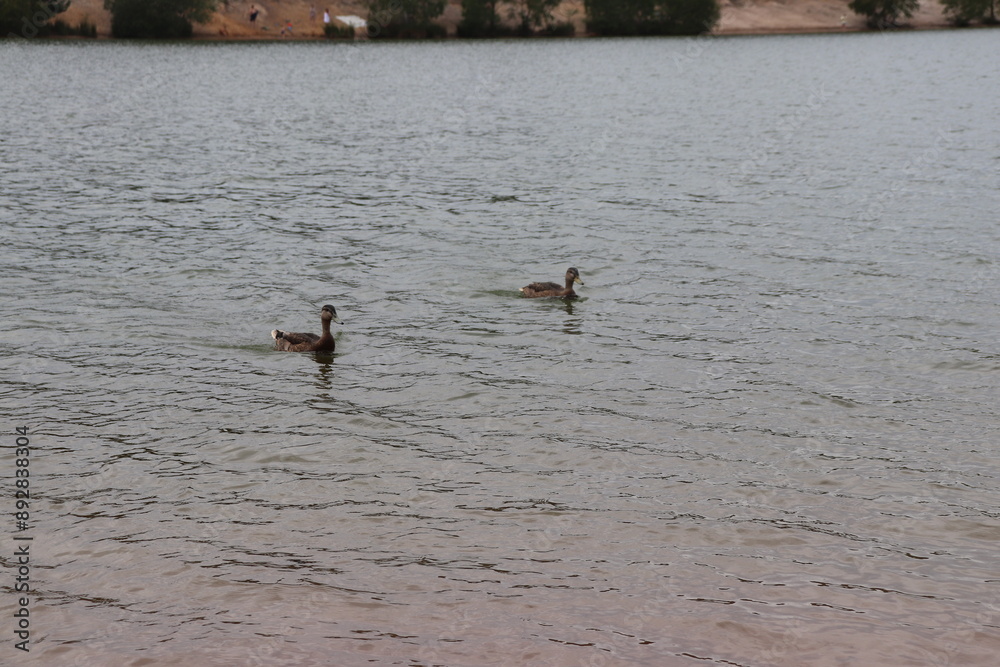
<point x="308" y="342"/>
<point x="553" y="289"/>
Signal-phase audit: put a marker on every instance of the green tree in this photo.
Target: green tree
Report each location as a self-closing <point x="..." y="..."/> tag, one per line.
<point x="651" y="17"/>
<point x="964" y="12"/>
<point x="157" y="19"/>
<point x="480" y="19"/>
<point x="404" y="18"/>
<point x="693" y="17"/>
<point x="883" y="14"/>
<point x="606" y="17"/>
<point x="532" y="14"/>
<point x="28" y="18"/>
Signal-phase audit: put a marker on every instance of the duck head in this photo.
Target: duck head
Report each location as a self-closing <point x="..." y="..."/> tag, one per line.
<point x="330" y="313"/>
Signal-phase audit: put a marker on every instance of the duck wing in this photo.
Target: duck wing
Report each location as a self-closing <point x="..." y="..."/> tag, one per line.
<point x="292" y="341"/>
<point x="299" y="338"/>
<point x="541" y="287"/>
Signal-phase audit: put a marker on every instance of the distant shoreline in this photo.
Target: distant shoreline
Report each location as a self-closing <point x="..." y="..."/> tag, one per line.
<point x="745" y="32"/>
<point x="739" y="32"/>
<point x="738" y="18"/>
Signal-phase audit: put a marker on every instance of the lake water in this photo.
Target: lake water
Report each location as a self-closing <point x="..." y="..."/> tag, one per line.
<point x="765" y="434"/>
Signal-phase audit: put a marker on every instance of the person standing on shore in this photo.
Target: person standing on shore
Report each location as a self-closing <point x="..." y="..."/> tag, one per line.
<point x="253" y="14"/>
<point x="326" y="17"/>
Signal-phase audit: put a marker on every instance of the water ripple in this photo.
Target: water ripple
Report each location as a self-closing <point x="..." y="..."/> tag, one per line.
<point x="763" y="434"/>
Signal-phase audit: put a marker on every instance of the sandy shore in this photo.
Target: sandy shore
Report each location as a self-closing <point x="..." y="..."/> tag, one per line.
<point x="794" y="16"/>
<point x="738" y="17"/>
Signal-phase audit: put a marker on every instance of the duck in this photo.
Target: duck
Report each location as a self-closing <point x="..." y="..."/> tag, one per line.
<point x="288" y="341"/>
<point x="535" y="290"/>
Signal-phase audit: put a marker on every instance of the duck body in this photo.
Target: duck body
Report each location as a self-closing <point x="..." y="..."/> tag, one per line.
<point x="535" y="290"/>
<point x="289" y="341"/>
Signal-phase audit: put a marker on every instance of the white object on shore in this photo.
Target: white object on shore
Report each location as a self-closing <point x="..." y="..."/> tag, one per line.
<point x="353" y="21"/>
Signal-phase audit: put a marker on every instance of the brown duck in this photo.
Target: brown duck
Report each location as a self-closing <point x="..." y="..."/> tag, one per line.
<point x="308" y="342"/>
<point x="553" y="289"/>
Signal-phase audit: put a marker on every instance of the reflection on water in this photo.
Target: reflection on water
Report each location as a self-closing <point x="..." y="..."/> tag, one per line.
<point x="767" y="439"/>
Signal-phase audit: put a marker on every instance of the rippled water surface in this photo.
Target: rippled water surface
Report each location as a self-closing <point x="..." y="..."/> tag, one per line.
<point x="765" y="434"/>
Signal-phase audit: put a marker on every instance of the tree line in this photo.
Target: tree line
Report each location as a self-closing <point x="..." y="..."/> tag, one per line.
<point x="480" y="18"/>
<point x="885" y="14"/>
<point x="510" y="18"/>
<point x="32" y="18"/>
<point x="409" y="18"/>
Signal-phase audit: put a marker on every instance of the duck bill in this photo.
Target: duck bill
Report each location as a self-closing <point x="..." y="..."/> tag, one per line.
<point x="577" y="280"/>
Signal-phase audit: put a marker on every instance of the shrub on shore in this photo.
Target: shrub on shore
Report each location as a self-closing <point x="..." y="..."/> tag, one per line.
<point x="334" y="31"/>
<point x="157" y="19"/>
<point x="651" y="17"/>
<point x="883" y="14"/>
<point x="83" y="29"/>
<point x="405" y="19"/>
<point x="29" y="18"/>
<point x="558" y="29"/>
<point x="481" y="18"/>
<point x="964" y="12"/>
